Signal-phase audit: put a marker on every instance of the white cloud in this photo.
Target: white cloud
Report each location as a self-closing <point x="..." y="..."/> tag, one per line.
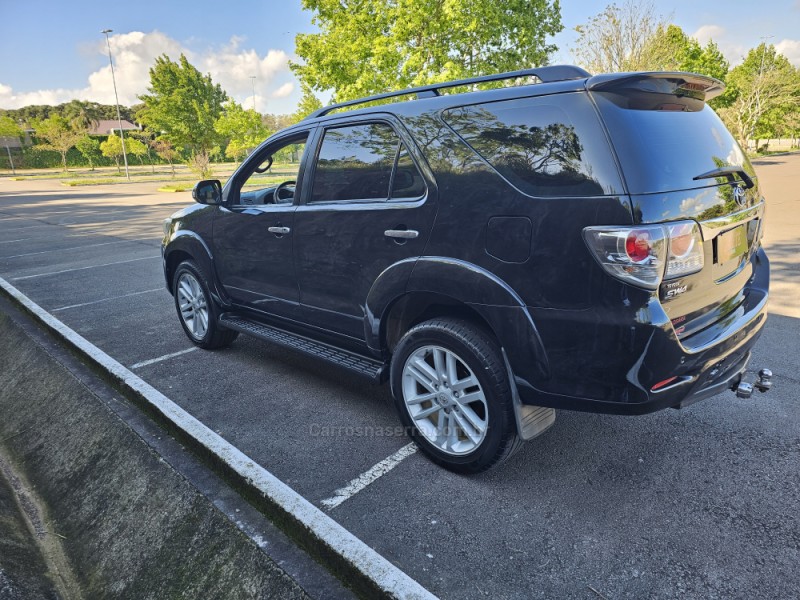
<point x="283" y="91"/>
<point x="134" y="53"/>
<point x="708" y="32"/>
<point x="790" y="49"/>
<point x="729" y="45"/>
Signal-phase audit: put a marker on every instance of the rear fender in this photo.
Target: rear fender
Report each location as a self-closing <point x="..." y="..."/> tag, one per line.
<point x="482" y="291"/>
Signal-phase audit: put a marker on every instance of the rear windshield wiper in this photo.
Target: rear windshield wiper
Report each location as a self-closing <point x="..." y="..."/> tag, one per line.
<point x="728" y="172"/>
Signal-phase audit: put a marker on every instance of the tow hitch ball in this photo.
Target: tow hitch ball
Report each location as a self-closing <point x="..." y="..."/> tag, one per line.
<point x="764" y="383"/>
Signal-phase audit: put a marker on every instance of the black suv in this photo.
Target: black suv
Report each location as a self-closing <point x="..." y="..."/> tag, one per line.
<point x="575" y="242"/>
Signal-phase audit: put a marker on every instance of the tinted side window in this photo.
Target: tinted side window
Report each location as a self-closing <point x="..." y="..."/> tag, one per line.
<point x="545" y="146"/>
<point x="355" y="163"/>
<point x="408" y="181"/>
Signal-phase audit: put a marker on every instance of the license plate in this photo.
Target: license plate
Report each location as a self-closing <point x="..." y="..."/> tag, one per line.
<point x="732" y="244"/>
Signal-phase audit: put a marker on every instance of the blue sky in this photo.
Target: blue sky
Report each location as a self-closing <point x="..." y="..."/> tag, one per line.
<point x="51" y="52"/>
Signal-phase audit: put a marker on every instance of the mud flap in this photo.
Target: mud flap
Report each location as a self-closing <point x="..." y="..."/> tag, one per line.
<point x="532" y="421"/>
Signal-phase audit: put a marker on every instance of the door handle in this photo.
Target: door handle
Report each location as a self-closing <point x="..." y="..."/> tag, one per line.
<point x="403" y="234"/>
<point x="279" y="230"/>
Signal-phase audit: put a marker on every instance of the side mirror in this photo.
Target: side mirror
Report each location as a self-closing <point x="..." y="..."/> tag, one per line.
<point x="208" y="191"/>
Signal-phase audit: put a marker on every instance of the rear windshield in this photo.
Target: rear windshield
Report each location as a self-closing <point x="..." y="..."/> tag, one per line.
<point x="544" y="146"/>
<point x="661" y="151"/>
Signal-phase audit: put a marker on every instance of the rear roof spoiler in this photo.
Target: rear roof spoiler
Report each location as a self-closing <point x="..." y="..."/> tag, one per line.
<point x="678" y="83"/>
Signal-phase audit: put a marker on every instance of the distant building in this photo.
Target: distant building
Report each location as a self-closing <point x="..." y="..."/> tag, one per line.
<point x="109" y="126"/>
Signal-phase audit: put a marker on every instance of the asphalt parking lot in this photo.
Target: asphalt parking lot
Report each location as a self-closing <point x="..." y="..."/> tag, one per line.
<point x="698" y="503"/>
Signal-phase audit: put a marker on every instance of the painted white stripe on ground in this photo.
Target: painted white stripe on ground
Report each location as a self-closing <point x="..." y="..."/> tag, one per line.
<point x="390" y="579"/>
<point x="158" y="289"/>
<point x="77" y="248"/>
<point x="363" y="480"/>
<point x="153" y="361"/>
<point x="119" y="262"/>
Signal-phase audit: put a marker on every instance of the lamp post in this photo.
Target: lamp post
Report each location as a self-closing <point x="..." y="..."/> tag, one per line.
<point x="116" y="97"/>
<point x="253" y="79"/>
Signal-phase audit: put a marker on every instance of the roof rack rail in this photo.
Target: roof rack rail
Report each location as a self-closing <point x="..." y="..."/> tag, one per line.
<point x="545" y="74"/>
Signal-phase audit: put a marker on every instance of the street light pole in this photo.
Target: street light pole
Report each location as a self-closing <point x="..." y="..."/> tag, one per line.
<point x="116" y="97"/>
<point x="253" y="79"/>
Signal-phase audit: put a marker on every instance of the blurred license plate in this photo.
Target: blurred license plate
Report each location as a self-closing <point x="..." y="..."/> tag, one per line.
<point x="732" y="244"/>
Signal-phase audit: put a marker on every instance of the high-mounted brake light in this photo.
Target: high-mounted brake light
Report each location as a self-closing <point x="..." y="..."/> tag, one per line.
<point x="646" y="255"/>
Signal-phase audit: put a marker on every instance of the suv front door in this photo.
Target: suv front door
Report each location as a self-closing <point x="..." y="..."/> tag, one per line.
<point x="253" y="228"/>
<point x="365" y="187"/>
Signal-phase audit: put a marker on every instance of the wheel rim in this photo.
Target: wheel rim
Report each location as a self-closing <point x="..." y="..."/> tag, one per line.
<point x="192" y="305"/>
<point x="445" y="400"/>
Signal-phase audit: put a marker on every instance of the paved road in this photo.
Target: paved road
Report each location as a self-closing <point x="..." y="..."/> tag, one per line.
<point x="699" y="503"/>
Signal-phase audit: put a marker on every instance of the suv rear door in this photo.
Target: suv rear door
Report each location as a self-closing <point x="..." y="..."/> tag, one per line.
<point x="680" y="162"/>
<point x="367" y="205"/>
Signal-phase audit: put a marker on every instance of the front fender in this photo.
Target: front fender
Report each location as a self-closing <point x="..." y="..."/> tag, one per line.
<point x="189" y="243"/>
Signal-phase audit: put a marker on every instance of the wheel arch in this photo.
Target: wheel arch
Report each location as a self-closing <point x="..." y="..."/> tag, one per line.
<point x="187" y="245"/>
<point x="413" y="291"/>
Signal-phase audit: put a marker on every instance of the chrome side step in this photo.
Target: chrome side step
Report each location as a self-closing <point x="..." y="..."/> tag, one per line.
<point x="372" y="369"/>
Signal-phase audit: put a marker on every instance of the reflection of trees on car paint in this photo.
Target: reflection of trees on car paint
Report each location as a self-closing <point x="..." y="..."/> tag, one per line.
<point x="536" y="152"/>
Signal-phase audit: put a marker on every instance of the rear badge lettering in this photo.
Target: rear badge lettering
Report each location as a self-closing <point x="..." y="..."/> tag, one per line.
<point x="670" y="291"/>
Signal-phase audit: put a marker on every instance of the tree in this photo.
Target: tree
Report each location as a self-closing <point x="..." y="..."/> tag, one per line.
<point x="243" y="128"/>
<point x="166" y="151"/>
<point x="9" y="130"/>
<point x="766" y="91"/>
<point x="146" y="138"/>
<point x="137" y="148"/>
<point x="308" y="104"/>
<point x="277" y="122"/>
<point x="369" y="46"/>
<point x="617" y="39"/>
<point x="89" y="148"/>
<point x="184" y="105"/>
<point x="112" y="148"/>
<point x="60" y="135"/>
<point x="670" y="49"/>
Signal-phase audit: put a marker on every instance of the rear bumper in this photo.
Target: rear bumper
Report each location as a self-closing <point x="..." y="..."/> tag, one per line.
<point x="616" y="370"/>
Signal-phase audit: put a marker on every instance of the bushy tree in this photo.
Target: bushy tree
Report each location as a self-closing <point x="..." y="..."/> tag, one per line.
<point x="9" y="130"/>
<point x="59" y="135"/>
<point x="167" y="152"/>
<point x="308" y="104"/>
<point x="243" y="129"/>
<point x="112" y="148"/>
<point x="89" y="148"/>
<point x="136" y="148"/>
<point x="184" y="105"/>
<point x="146" y="138"/>
<point x="369" y="46"/>
<point x="766" y="90"/>
<point x="618" y="38"/>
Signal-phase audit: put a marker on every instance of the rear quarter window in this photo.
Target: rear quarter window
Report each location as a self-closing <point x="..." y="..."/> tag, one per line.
<point x="544" y="146"/>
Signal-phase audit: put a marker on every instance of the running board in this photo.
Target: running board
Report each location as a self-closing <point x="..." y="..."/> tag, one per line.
<point x="370" y="368"/>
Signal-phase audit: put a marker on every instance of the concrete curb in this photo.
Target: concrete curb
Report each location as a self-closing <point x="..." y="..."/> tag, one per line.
<point x="366" y="571"/>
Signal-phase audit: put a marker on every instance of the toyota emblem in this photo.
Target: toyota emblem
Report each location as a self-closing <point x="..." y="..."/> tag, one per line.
<point x="739" y="195"/>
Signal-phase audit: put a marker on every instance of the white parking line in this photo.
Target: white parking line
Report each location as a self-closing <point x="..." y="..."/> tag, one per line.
<point x="388" y="578"/>
<point x="153" y="361"/>
<point x="77" y="248"/>
<point x="363" y="480"/>
<point x="119" y="262"/>
<point x="158" y="289"/>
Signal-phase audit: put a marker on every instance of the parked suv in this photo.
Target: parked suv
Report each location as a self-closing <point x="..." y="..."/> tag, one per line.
<point x="573" y="242"/>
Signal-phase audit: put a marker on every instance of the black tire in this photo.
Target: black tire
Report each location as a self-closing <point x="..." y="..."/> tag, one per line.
<point x="478" y="351"/>
<point x="212" y="336"/>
